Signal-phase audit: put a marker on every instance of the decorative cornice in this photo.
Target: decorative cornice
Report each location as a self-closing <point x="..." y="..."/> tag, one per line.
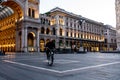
<point x="75" y="15"/>
<point x="64" y="11"/>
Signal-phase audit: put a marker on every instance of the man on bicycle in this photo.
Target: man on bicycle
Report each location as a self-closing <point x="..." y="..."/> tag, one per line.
<point x="50" y="46"/>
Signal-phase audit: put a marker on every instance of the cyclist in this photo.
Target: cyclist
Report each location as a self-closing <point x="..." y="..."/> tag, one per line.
<point x="49" y="46"/>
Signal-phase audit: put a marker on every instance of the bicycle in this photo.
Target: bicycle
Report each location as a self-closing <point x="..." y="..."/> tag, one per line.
<point x="50" y="57"/>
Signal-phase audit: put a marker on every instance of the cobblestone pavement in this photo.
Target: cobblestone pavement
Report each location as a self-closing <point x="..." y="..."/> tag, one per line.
<point x="33" y="66"/>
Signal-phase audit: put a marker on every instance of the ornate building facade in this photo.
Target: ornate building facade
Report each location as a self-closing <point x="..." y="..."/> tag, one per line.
<point x="110" y="38"/>
<point x="22" y="28"/>
<point x="71" y="31"/>
<point x="19" y="25"/>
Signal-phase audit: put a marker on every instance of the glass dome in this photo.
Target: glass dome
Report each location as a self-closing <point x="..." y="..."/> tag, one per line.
<point x="5" y="12"/>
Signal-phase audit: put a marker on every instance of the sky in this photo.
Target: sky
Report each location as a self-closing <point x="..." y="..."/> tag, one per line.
<point x="98" y="10"/>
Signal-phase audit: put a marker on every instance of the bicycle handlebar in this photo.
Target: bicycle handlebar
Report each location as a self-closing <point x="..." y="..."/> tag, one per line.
<point x="50" y="49"/>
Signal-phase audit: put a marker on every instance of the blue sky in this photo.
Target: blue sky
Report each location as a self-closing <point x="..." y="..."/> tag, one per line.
<point x="98" y="10"/>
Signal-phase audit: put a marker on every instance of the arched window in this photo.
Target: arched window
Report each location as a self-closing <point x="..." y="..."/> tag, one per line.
<point x="31" y="12"/>
<point x="61" y="31"/>
<point x="47" y="31"/>
<point x="54" y="32"/>
<point x="42" y="30"/>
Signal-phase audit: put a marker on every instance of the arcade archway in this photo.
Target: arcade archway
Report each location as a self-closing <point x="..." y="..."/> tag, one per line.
<point x="31" y="38"/>
<point x="10" y="14"/>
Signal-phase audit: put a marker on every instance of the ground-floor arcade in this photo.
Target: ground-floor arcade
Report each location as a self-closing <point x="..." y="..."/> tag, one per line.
<point x="31" y="40"/>
<point x="73" y="44"/>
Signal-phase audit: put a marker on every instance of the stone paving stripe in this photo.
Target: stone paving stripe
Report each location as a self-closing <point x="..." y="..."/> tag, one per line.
<point x="66" y="72"/>
<point x="41" y="68"/>
<point x="89" y="67"/>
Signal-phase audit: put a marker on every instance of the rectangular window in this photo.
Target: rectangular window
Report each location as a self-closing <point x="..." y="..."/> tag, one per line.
<point x="29" y="12"/>
<point x="33" y="13"/>
<point x="81" y="35"/>
<point x="70" y="24"/>
<point x="67" y="34"/>
<point x="67" y="44"/>
<point x="74" y="34"/>
<point x="71" y="34"/>
<point x="74" y="25"/>
<point x="66" y="23"/>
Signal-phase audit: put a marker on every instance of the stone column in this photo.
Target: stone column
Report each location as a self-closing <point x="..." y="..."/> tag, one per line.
<point x="25" y="38"/>
<point x="108" y="46"/>
<point x="45" y="40"/>
<point x="17" y="41"/>
<point x="22" y="37"/>
<point x="57" y="43"/>
<point x="26" y="8"/>
<point x="38" y="41"/>
<point x="57" y="24"/>
<point x="35" y="43"/>
<point x="64" y="41"/>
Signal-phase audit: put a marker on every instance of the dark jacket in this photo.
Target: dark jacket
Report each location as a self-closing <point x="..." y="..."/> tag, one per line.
<point x="50" y="45"/>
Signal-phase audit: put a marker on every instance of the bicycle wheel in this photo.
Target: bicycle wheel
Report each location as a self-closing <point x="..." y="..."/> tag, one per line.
<point x="50" y="59"/>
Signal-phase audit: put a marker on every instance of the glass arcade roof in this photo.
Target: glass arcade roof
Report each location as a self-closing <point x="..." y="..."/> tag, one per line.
<point x="5" y="12"/>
